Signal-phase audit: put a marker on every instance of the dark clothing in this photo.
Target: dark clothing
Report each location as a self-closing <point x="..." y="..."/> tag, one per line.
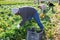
<point x="37" y="19"/>
<point x="51" y="5"/>
<point x="27" y="13"/>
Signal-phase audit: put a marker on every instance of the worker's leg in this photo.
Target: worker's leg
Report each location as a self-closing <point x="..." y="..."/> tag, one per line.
<point x="36" y="17"/>
<point x="52" y="9"/>
<point x="29" y="19"/>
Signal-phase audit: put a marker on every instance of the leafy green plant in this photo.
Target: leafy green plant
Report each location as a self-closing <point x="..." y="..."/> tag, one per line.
<point x="8" y="23"/>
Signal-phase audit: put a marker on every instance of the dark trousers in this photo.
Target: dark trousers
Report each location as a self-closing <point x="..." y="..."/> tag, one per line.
<point x="37" y="19"/>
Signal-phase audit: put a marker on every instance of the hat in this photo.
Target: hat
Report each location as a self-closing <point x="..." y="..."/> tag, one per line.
<point x="15" y="10"/>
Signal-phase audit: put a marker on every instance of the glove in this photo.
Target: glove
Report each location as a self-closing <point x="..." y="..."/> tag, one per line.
<point x="18" y="26"/>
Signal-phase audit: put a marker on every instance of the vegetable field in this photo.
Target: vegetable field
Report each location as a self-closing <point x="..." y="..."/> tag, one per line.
<point x="8" y="21"/>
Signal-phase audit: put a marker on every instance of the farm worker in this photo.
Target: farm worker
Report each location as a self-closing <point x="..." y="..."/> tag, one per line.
<point x="51" y="5"/>
<point x="43" y="8"/>
<point x="27" y="13"/>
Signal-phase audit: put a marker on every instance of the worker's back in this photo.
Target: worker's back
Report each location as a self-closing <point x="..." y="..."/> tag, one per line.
<point x="26" y="11"/>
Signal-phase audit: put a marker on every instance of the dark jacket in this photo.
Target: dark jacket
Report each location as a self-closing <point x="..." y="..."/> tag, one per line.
<point x="25" y="13"/>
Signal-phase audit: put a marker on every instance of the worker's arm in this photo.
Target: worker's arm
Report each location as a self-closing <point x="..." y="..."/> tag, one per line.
<point x="22" y="22"/>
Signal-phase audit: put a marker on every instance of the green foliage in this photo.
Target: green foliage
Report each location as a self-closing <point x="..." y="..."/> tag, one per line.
<point x="8" y="23"/>
<point x="15" y="2"/>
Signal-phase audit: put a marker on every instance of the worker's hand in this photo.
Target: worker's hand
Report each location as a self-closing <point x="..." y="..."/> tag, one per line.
<point x="18" y="26"/>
